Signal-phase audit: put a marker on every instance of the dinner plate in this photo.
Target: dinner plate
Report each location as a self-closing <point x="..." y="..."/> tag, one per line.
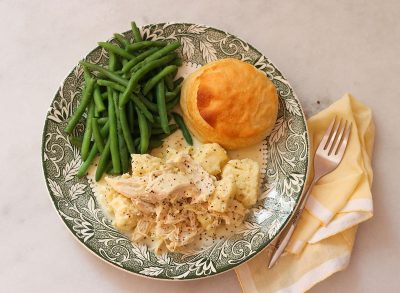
<point x="285" y="156"/>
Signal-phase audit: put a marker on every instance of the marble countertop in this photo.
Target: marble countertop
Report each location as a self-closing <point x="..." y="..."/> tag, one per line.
<point x="324" y="48"/>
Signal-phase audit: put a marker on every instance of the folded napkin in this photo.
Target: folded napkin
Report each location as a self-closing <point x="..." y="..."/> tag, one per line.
<point x="323" y="240"/>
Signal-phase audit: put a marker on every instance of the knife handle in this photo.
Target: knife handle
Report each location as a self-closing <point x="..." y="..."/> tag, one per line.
<point x="281" y="246"/>
<point x="283" y="240"/>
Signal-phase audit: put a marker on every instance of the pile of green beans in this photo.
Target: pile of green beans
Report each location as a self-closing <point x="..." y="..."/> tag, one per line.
<point x="128" y="103"/>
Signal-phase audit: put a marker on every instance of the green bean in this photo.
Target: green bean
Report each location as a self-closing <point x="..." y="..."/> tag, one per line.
<point x="131" y="115"/>
<point x="178" y="81"/>
<point x="172" y="128"/>
<point x="162" y="110"/>
<point x="150" y="97"/>
<point x="122" y="40"/>
<point x="87" y="136"/>
<point x="98" y="100"/>
<point x="146" y="44"/>
<point x="102" y="120"/>
<point x="150" y="127"/>
<point x="96" y="112"/>
<point x="173" y="103"/>
<point x="112" y="61"/>
<point x="125" y="163"/>
<point x="128" y="65"/>
<point x="186" y="134"/>
<point x="112" y="172"/>
<point x="111" y="84"/>
<point x="144" y="132"/>
<point x="177" y="62"/>
<point x="98" y="139"/>
<point x="104" y="159"/>
<point x="137" y="141"/>
<point x="105" y="129"/>
<point x="76" y="141"/>
<point x="109" y="167"/>
<point x="133" y="82"/>
<point x="108" y="73"/>
<point x="169" y="96"/>
<point x="177" y="89"/>
<point x="157" y="55"/>
<point x="123" y="152"/>
<point x="158" y="77"/>
<point x="125" y="130"/>
<point x="160" y="136"/>
<point x="113" y="132"/>
<point x="139" y="103"/>
<point x="152" y="107"/>
<point x="157" y="121"/>
<point x="137" y="89"/>
<point x="116" y="86"/>
<point x="86" y="164"/>
<point x="169" y="82"/>
<point x="116" y="50"/>
<point x="86" y="98"/>
<point x="155" y="144"/>
<point x="136" y="33"/>
<point x="86" y="74"/>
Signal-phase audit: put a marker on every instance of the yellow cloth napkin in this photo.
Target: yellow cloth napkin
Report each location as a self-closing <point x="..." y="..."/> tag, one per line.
<point x="323" y="240"/>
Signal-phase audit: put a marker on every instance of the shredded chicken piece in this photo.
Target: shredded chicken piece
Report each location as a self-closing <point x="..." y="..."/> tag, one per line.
<point x="171" y="200"/>
<point x="142" y="229"/>
<point x="130" y="187"/>
<point x="165" y="184"/>
<point x="159" y="185"/>
<point x="182" y="235"/>
<point x="144" y="207"/>
<point x="197" y="175"/>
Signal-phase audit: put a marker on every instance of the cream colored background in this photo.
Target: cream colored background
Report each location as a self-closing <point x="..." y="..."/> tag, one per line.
<point x="324" y="48"/>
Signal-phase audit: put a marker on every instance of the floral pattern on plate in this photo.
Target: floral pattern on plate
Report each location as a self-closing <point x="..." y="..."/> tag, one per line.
<point x="285" y="164"/>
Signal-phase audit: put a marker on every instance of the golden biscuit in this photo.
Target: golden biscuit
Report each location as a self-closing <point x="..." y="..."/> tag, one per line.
<point x="229" y="102"/>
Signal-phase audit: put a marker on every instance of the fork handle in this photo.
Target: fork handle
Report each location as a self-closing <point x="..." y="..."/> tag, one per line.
<point x="283" y="239"/>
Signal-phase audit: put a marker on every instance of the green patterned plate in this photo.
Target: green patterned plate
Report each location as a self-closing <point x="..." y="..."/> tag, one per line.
<point x="285" y="153"/>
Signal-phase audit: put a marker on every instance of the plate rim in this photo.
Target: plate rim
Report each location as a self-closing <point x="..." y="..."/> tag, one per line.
<point x="220" y="271"/>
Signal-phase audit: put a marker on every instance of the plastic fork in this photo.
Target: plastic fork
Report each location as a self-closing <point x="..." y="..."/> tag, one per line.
<point x="328" y="156"/>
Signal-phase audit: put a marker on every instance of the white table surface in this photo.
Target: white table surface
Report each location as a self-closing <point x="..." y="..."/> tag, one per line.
<point x="325" y="48"/>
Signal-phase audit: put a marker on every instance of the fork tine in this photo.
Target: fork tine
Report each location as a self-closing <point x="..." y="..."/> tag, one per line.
<point x="339" y="139"/>
<point x="343" y="145"/>
<point x="326" y="135"/>
<point x="333" y="136"/>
